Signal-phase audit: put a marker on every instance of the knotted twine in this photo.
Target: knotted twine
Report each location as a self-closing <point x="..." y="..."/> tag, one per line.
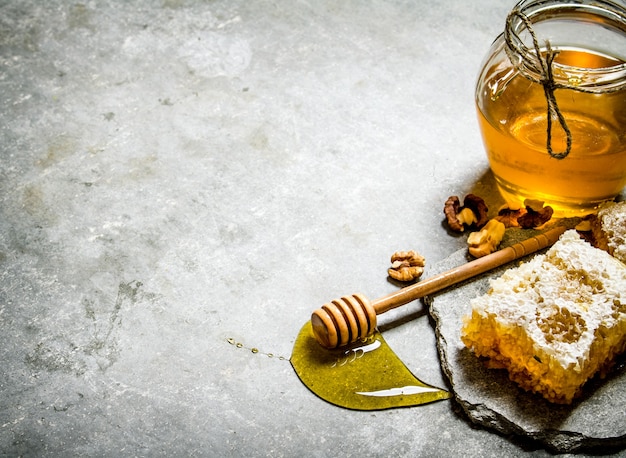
<point x="543" y="68"/>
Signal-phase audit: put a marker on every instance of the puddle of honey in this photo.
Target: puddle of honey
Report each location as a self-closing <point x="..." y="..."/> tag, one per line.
<point x="365" y="376"/>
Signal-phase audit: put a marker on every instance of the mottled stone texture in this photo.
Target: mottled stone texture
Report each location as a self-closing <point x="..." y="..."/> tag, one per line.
<point x="182" y="182"/>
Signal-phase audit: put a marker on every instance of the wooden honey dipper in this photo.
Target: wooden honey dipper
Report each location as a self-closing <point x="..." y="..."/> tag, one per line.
<point x="351" y="318"/>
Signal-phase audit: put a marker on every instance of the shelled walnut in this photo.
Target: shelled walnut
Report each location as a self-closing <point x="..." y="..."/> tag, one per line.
<point x="536" y="214"/>
<point x="473" y="212"/>
<point x="486" y="240"/>
<point x="532" y="215"/>
<point x="508" y="214"/>
<point x="406" y="265"/>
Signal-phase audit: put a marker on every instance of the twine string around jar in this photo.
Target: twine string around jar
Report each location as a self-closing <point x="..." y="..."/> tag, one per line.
<point x="549" y="86"/>
<point x="543" y="67"/>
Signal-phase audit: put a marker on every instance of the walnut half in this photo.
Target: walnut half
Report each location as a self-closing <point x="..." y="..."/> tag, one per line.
<point x="406" y="265"/>
<point x="532" y="215"/>
<point x="486" y="241"/>
<point x="473" y="212"/>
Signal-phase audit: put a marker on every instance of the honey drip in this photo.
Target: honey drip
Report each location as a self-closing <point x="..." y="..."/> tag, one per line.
<point x="253" y="350"/>
<point x="514" y="126"/>
<point x="367" y="375"/>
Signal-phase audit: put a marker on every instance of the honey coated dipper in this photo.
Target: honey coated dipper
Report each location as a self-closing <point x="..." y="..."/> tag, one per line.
<point x="351" y="318"/>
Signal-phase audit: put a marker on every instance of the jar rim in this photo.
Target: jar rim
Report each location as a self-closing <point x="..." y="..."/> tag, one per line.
<point x="526" y="13"/>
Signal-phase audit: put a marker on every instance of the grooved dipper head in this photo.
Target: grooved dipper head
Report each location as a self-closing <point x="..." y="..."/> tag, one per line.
<point x="343" y="321"/>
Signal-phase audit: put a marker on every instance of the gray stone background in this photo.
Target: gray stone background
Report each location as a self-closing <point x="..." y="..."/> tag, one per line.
<point x="177" y="176"/>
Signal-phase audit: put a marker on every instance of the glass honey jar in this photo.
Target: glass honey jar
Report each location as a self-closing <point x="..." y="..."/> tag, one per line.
<point x="551" y="104"/>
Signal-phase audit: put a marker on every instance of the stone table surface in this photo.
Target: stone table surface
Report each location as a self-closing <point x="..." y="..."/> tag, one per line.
<point x="182" y="182"/>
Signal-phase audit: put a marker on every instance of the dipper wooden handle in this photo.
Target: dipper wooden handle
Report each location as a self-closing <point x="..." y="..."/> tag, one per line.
<point x="351" y="318"/>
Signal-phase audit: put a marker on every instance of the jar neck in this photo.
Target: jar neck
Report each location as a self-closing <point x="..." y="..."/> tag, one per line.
<point x="538" y="30"/>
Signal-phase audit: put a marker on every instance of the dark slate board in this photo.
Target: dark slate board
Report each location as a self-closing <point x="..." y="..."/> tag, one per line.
<point x="593" y="423"/>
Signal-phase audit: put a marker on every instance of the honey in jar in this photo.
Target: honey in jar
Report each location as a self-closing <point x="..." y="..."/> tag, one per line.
<point x="551" y="103"/>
